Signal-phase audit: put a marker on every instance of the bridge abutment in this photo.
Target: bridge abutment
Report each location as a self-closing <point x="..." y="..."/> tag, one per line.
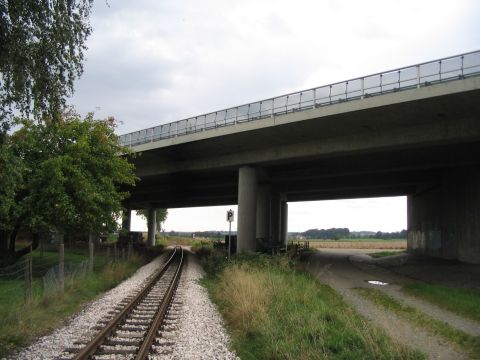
<point x="444" y="220"/>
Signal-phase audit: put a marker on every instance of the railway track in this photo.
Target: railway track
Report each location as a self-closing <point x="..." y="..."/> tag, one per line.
<point x="132" y="329"/>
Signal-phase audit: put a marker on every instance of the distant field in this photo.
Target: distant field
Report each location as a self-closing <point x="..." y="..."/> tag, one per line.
<point x="359" y="244"/>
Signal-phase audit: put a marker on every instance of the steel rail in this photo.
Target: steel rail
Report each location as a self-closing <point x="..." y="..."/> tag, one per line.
<point x="90" y="349"/>
<point x="157" y="322"/>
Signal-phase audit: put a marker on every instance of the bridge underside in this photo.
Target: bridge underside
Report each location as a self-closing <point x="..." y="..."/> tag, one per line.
<point x="427" y="148"/>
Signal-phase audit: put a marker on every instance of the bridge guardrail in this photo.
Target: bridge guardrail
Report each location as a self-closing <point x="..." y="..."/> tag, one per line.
<point x="410" y="77"/>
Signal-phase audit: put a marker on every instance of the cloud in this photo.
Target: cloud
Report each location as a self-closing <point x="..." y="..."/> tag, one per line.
<point x="152" y="62"/>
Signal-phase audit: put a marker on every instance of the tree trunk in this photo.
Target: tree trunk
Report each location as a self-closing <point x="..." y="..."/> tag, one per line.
<point x="5" y="256"/>
<point x="26" y="249"/>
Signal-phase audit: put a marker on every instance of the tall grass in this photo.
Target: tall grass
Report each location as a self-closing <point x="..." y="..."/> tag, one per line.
<point x="276" y="312"/>
<point x="20" y="324"/>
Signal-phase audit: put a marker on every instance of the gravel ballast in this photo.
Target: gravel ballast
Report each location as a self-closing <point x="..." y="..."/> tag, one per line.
<point x="196" y="333"/>
<point x="200" y="333"/>
<point x="51" y="346"/>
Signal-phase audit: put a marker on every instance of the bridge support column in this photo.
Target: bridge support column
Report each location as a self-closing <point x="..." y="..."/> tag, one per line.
<point x="275" y="219"/>
<point x="444" y="220"/>
<point x="247" y="209"/>
<point x="127" y="219"/>
<point x="263" y="213"/>
<point x="152" y="226"/>
<point x="284" y="223"/>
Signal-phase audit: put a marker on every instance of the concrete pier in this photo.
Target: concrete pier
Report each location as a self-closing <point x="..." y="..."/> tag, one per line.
<point x="275" y="218"/>
<point x="127" y="219"/>
<point x="263" y="213"/>
<point x="247" y="206"/>
<point x="152" y="226"/>
<point x="284" y="223"/>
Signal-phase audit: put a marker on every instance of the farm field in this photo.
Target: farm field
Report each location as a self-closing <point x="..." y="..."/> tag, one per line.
<point x="358" y="244"/>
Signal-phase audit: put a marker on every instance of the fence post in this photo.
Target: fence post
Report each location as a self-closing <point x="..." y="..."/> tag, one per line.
<point x="61" y="267"/>
<point x="90" y="251"/>
<point x="28" y="277"/>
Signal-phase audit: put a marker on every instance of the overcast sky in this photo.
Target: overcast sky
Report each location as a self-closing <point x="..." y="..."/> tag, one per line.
<point x="152" y="62"/>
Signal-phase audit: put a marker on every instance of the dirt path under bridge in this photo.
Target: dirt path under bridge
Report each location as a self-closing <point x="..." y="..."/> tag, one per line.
<point x="346" y="270"/>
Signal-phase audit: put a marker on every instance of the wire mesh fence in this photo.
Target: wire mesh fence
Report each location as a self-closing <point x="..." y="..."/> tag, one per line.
<point x="55" y="279"/>
<point x="46" y="271"/>
<point x="12" y="280"/>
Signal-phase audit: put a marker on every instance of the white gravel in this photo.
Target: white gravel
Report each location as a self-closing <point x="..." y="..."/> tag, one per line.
<point x="200" y="332"/>
<point x="51" y="346"/>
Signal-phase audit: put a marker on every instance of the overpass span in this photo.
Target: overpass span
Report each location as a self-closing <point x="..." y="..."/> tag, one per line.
<point x="413" y="131"/>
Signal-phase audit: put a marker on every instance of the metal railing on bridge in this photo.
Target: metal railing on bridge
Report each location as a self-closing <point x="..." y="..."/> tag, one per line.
<point x="410" y="77"/>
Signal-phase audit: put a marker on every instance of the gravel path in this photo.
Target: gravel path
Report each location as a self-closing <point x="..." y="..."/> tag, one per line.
<point x="200" y="333"/>
<point x="401" y="330"/>
<point x="51" y="346"/>
<point x="338" y="271"/>
<point x="468" y="326"/>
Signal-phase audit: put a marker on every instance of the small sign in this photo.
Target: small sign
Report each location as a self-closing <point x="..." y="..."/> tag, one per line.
<point x="230" y="215"/>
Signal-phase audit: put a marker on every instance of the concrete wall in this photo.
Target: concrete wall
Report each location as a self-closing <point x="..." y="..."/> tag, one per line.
<point x="444" y="219"/>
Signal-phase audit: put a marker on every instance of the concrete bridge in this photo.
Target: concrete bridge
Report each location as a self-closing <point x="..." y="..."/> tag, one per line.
<point x="413" y="131"/>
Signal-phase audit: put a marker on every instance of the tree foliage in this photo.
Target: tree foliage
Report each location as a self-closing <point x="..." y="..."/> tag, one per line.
<point x="342" y="233"/>
<point x="42" y="45"/>
<point x="64" y="176"/>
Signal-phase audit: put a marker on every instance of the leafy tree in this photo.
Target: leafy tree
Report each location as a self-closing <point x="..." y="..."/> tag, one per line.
<point x="42" y="45"/>
<point x="64" y="176"/>
<point x="161" y="216"/>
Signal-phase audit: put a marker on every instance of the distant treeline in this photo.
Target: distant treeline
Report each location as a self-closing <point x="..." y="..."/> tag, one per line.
<point x="345" y="233"/>
<point x="331" y="234"/>
<point x="205" y="234"/>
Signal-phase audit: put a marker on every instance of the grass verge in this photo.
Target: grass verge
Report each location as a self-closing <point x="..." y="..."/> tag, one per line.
<point x="385" y="253"/>
<point x="462" y="302"/>
<point x="20" y="324"/>
<point x="276" y="312"/>
<point x="463" y="341"/>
